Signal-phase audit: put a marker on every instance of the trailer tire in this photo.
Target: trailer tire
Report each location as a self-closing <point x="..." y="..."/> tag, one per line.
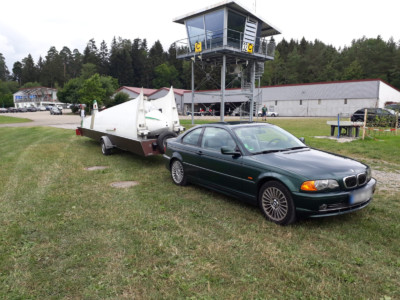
<point x="104" y="149"/>
<point x="162" y="138"/>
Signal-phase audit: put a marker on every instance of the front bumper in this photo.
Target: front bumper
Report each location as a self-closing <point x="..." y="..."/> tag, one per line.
<point x="332" y="204"/>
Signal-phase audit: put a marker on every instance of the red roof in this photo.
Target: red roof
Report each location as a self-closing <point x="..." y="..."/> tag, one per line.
<point x="176" y="91"/>
<point x="137" y="90"/>
<point x="149" y="92"/>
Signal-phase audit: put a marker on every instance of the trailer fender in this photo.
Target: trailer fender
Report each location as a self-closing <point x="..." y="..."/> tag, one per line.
<point x="106" y="145"/>
<point x="162" y="138"/>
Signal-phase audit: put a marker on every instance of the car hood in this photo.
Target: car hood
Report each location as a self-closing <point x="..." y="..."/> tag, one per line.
<point x="311" y="163"/>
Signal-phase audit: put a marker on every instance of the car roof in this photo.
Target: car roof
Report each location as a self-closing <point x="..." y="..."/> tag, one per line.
<point x="235" y="124"/>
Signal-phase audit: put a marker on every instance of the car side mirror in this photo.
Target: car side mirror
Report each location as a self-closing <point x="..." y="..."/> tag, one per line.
<point x="303" y="140"/>
<point x="230" y="151"/>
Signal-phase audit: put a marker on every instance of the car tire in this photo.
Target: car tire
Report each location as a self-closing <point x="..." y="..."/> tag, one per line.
<point x="276" y="203"/>
<point x="178" y="173"/>
<point x="104" y="149"/>
<point x="162" y="138"/>
<point x="273" y="115"/>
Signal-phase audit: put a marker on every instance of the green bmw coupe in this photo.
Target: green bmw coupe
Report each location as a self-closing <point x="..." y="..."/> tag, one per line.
<point x="265" y="165"/>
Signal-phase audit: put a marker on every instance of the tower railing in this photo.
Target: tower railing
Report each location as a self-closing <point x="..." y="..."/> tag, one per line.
<point x="214" y="40"/>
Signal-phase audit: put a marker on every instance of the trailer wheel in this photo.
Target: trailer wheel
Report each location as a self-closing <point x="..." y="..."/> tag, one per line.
<point x="104" y="149"/>
<point x="162" y="138"/>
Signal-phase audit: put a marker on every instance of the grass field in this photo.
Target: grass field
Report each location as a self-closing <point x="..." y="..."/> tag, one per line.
<point x="66" y="233"/>
<point x="8" y="120"/>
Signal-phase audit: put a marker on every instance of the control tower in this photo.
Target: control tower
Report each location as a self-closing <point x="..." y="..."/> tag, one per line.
<point x="228" y="34"/>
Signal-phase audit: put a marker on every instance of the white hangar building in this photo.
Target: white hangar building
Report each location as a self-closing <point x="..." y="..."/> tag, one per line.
<point x="323" y="99"/>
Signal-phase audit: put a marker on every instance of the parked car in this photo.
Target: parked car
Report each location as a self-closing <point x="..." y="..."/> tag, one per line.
<point x="265" y="165"/>
<point x="55" y="111"/>
<point x="3" y="110"/>
<point x="395" y="107"/>
<point x="49" y="107"/>
<point x="269" y="113"/>
<point x="12" y="109"/>
<point x="376" y="116"/>
<point x="32" y="109"/>
<point x="22" y="109"/>
<point x="42" y="108"/>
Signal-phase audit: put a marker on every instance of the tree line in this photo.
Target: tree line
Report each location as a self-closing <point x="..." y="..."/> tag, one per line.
<point x="307" y="62"/>
<point x="132" y="63"/>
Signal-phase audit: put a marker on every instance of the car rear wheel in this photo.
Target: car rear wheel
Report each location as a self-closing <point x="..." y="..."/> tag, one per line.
<point x="178" y="173"/>
<point x="276" y="203"/>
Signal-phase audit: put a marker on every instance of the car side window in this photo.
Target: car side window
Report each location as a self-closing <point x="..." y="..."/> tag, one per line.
<point x="192" y="138"/>
<point x="215" y="138"/>
<point x="384" y="112"/>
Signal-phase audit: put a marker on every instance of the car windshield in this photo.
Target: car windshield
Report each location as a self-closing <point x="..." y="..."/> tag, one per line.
<point x="265" y="139"/>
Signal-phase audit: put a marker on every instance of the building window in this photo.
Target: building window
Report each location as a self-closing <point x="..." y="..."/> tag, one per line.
<point x="195" y="28"/>
<point x="301" y="102"/>
<point x="319" y="101"/>
<point x="345" y="101"/>
<point x="276" y="102"/>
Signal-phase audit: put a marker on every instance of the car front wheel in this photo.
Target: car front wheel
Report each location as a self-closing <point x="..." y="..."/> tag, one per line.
<point x="276" y="203"/>
<point x="178" y="173"/>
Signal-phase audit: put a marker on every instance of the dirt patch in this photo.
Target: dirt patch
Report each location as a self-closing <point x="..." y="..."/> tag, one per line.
<point x="124" y="184"/>
<point x="94" y="168"/>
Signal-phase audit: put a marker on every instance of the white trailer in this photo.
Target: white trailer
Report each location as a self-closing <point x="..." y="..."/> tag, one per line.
<point x="138" y="125"/>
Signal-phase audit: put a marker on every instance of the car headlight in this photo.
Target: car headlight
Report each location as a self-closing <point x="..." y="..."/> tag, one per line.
<point x="319" y="185"/>
<point x="369" y="176"/>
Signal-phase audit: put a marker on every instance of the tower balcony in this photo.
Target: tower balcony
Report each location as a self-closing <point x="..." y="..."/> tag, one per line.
<point x="227" y="41"/>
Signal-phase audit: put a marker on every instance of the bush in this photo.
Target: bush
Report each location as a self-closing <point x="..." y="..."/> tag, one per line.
<point x="382" y="121"/>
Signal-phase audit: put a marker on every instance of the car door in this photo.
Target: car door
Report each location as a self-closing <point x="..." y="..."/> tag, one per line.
<point x="220" y="171"/>
<point x="188" y="150"/>
<point x="371" y="114"/>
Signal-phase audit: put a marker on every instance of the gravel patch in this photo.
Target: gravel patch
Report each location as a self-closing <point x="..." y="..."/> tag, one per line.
<point x="388" y="181"/>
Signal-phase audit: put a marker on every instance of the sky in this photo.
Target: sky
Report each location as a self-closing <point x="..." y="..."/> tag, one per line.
<point x="32" y="27"/>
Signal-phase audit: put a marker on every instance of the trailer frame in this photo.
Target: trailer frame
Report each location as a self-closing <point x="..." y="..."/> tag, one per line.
<point x="141" y="146"/>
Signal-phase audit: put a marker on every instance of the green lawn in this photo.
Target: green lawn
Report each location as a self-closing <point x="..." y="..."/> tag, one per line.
<point x="66" y="233"/>
<point x="7" y="120"/>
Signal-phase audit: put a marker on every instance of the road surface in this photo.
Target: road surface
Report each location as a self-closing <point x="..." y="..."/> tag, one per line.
<point x="43" y="118"/>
